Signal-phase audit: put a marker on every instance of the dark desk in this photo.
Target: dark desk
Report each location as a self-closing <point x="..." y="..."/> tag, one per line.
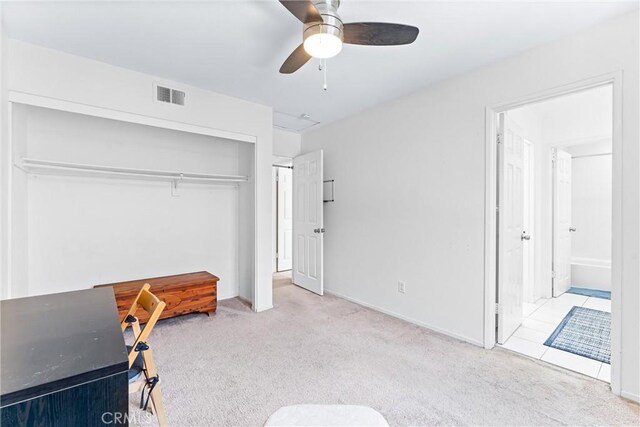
<point x="63" y="361"/>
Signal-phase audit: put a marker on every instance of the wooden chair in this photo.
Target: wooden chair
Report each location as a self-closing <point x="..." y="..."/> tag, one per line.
<point x="142" y="369"/>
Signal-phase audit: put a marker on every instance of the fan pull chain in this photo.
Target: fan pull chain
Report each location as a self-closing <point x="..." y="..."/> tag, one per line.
<point x="324" y="87"/>
<point x="323" y="67"/>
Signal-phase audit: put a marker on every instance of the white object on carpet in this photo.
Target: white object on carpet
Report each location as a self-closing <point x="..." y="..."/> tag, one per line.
<point x="326" y="415"/>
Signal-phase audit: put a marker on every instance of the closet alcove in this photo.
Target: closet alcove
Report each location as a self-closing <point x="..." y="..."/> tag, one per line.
<point x="99" y="200"/>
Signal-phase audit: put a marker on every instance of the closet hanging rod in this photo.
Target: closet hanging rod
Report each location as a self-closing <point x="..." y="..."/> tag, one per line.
<point x="37" y="165"/>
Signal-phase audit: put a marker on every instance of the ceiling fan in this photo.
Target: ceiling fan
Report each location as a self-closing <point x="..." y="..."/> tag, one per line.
<point x="324" y="33"/>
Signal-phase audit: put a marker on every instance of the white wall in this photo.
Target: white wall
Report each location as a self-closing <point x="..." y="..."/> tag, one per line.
<point x="411" y="175"/>
<point x="48" y="73"/>
<point x="577" y="118"/>
<point x="286" y="144"/>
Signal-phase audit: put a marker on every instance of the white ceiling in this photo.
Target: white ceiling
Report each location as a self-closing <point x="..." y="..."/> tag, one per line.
<point x="236" y="47"/>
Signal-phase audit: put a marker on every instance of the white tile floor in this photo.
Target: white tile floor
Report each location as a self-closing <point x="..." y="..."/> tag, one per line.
<point x="541" y="319"/>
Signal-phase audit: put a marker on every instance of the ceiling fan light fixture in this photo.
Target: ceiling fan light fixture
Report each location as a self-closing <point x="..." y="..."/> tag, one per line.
<point x="323" y="45"/>
<point x="323" y="32"/>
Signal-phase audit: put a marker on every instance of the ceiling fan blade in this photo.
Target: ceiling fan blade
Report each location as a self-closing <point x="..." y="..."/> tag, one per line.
<point x="297" y="59"/>
<point x="379" y="33"/>
<point x="304" y="10"/>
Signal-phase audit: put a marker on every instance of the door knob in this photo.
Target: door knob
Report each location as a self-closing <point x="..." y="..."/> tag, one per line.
<point x="318" y="230"/>
<point x="525" y="236"/>
<point x="572" y="229"/>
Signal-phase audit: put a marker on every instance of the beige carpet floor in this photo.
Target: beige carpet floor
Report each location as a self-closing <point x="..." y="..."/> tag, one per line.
<point x="238" y="367"/>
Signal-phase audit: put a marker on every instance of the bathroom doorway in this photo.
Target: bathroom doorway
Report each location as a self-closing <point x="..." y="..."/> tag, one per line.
<point x="554" y="230"/>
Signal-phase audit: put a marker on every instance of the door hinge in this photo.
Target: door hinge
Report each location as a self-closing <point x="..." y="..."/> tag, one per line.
<point x="553" y="274"/>
<point x="277" y="255"/>
<point x="497" y="308"/>
<point x="499" y="138"/>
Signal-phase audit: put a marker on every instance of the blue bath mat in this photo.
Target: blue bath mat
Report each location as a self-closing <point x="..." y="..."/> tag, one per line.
<point x="585" y="332"/>
<point x="590" y="292"/>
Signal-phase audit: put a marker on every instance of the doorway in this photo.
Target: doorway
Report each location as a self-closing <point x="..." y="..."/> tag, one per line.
<point x="282" y="222"/>
<point x="283" y="217"/>
<point x="554" y="169"/>
<point x="298" y="221"/>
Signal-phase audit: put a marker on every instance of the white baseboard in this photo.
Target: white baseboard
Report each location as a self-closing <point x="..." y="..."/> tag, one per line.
<point x="406" y="319"/>
<point x="630" y="396"/>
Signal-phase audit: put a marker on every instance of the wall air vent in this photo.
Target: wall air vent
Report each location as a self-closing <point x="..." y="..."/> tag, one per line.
<point x="163" y="94"/>
<point x="177" y="97"/>
<point x="169" y="96"/>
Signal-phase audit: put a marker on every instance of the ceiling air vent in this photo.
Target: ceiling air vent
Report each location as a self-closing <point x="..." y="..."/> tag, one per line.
<point x="170" y="96"/>
<point x="292" y="122"/>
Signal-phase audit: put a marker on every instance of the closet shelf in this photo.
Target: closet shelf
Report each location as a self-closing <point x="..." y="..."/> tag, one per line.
<point x="60" y="168"/>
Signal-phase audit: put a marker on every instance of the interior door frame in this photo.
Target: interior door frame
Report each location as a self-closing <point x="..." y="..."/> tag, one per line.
<point x="491" y="227"/>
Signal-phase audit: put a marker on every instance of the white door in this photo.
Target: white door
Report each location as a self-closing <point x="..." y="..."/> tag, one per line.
<point x="529" y="295"/>
<point x="308" y="222"/>
<point x="510" y="229"/>
<point x="561" y="222"/>
<point x="285" y="219"/>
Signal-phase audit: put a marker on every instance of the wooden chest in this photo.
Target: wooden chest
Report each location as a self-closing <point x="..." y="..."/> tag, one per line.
<point x="183" y="294"/>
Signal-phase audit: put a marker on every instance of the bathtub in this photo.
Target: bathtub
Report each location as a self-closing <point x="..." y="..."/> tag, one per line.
<point x="591" y="273"/>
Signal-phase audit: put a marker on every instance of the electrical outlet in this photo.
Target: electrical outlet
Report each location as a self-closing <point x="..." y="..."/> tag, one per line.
<point x="401" y="287"/>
